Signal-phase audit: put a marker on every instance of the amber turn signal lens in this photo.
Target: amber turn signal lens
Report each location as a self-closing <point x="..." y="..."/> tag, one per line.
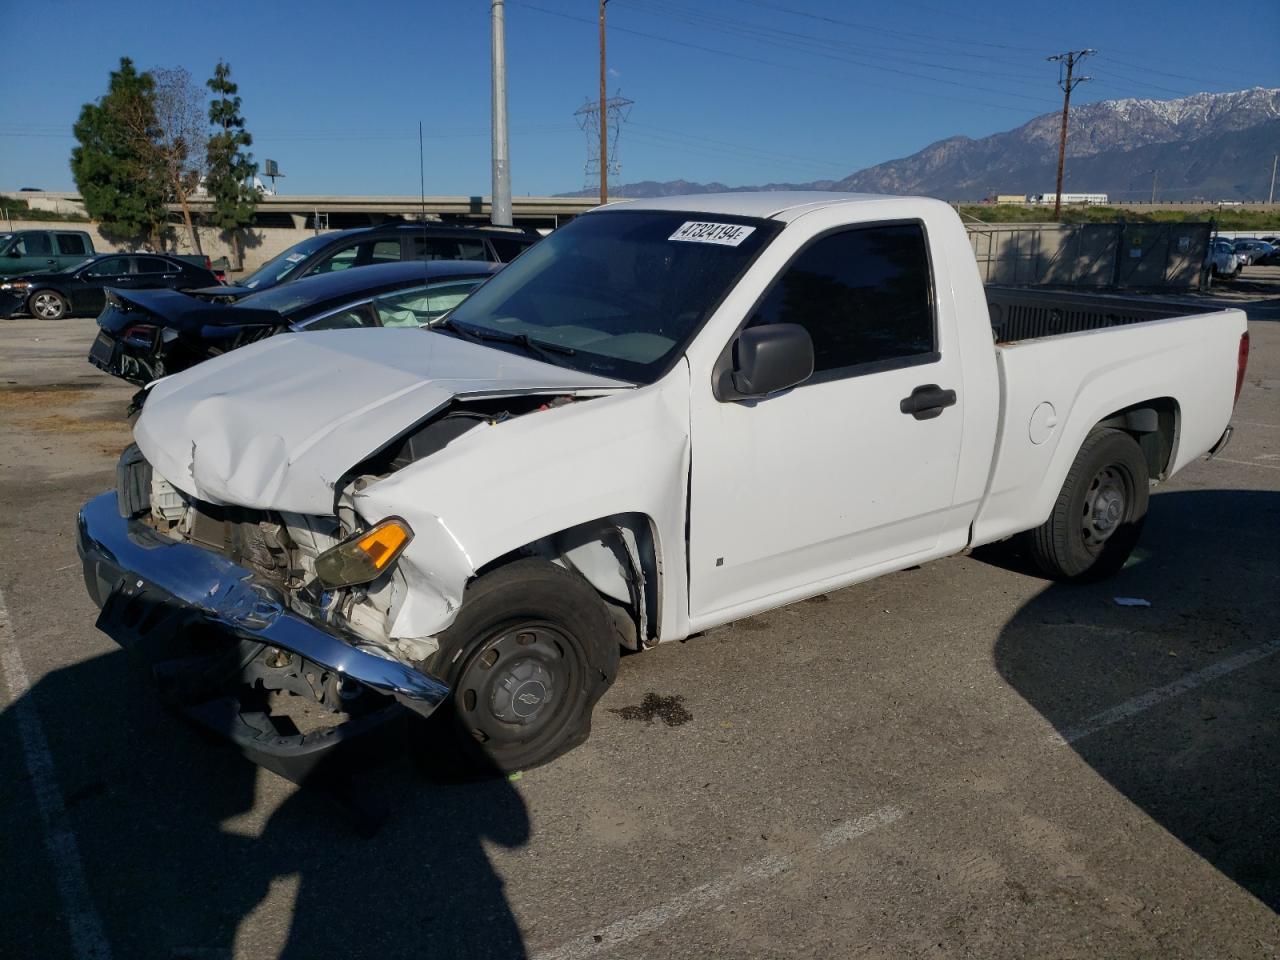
<point x="363" y="557"/>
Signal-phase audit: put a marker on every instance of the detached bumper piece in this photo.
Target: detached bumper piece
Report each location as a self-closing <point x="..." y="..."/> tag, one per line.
<point x="221" y="644"/>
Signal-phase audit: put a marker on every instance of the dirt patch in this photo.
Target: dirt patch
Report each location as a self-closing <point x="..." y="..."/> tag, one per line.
<point x="63" y="424"/>
<point x="45" y="395"/>
<point x="670" y="710"/>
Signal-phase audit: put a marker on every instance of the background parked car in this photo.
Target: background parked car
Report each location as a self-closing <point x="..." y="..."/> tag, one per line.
<point x="152" y="333"/>
<point x="345" y="249"/>
<point x="1257" y="251"/>
<point x="1223" y="261"/>
<point x="42" y="251"/>
<point x="81" y="289"/>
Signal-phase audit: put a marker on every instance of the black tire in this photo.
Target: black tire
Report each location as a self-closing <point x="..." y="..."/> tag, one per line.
<point x="1098" y="516"/>
<point x="48" y="305"/>
<point x="531" y="652"/>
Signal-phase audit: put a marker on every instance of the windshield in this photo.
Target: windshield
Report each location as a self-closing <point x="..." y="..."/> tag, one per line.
<point x="619" y="293"/>
<point x="273" y="271"/>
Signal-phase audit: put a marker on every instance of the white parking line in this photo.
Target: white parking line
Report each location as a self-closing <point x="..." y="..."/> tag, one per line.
<point x="1146" y="701"/>
<point x="87" y="938"/>
<point x="1246" y="463"/>
<point x="637" y="925"/>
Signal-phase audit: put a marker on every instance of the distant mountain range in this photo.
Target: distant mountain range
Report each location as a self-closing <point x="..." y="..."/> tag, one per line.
<point x="1215" y="146"/>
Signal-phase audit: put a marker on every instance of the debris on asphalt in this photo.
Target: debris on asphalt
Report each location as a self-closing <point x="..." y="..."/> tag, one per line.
<point x="1131" y="602"/>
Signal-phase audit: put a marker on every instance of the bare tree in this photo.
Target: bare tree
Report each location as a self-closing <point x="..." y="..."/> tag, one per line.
<point x="181" y="145"/>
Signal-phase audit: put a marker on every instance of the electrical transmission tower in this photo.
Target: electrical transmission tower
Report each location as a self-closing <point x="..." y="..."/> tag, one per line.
<point x="616" y="110"/>
<point x="1068" y="83"/>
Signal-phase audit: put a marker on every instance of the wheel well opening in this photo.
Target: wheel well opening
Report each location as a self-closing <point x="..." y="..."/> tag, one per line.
<point x="1154" y="425"/>
<point x="618" y="556"/>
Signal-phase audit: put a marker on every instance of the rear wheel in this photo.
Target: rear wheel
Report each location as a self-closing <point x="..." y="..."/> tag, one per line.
<point x="531" y="652"/>
<point x="1099" y="513"/>
<point x="48" y="305"/>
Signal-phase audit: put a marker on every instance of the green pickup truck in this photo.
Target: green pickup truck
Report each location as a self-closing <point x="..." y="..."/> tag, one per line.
<point x="43" y="251"/>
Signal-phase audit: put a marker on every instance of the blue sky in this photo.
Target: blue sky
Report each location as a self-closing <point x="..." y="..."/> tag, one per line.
<point x="740" y="91"/>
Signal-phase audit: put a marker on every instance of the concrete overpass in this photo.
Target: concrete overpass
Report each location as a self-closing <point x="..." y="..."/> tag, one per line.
<point x="334" y="212"/>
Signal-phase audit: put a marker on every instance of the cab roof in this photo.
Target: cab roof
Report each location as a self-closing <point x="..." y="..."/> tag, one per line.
<point x="765" y="204"/>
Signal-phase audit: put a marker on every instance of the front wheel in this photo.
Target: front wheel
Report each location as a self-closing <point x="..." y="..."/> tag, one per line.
<point x="531" y="652"/>
<point x="48" y="305"/>
<point x="1098" y="516"/>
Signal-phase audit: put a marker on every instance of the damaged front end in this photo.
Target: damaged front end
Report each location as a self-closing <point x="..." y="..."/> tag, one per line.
<point x="225" y="608"/>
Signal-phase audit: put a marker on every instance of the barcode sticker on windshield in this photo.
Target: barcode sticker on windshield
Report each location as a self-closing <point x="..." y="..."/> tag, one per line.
<point x="725" y="234"/>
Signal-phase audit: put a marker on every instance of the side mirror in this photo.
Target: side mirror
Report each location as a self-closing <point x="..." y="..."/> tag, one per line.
<point x="764" y="360"/>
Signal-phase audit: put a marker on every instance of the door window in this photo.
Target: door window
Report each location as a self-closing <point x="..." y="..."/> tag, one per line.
<point x="386" y="251"/>
<point x="346" y="319"/>
<point x="508" y="250"/>
<point x="343" y="259"/>
<point x="34" y="245"/>
<point x="418" y="307"/>
<point x="446" y="248"/>
<point x="110" y="267"/>
<point x="864" y="295"/>
<point x="71" y="245"/>
<point x="152" y="265"/>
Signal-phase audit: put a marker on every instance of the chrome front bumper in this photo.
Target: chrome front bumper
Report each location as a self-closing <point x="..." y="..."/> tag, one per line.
<point x="123" y="556"/>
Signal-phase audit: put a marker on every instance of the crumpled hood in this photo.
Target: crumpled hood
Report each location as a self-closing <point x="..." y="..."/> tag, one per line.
<point x="274" y="425"/>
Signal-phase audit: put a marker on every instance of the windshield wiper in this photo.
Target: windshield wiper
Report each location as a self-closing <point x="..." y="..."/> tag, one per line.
<point x="538" y="348"/>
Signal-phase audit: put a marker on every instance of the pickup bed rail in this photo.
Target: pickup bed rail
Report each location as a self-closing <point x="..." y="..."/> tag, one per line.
<point x="1021" y="314"/>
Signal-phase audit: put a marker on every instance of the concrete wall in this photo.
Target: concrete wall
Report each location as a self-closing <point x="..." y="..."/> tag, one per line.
<point x="1168" y="256"/>
<point x="261" y="244"/>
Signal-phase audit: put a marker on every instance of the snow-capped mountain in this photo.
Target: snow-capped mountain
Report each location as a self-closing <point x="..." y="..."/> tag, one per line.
<point x="1209" y="145"/>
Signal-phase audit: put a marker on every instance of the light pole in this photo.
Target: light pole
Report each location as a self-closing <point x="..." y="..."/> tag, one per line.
<point x="500" y="206"/>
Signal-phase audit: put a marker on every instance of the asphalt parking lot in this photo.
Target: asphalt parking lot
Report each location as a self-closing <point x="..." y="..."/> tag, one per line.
<point x="956" y="760"/>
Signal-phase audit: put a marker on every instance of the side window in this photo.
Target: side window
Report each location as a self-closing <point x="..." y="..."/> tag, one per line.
<point x="386" y="251"/>
<point x="445" y="248"/>
<point x="152" y="265"/>
<point x="420" y="306"/>
<point x="508" y="250"/>
<point x="865" y="296"/>
<point x="34" y="245"/>
<point x="71" y="245"/>
<point x="340" y="260"/>
<point x="110" y="267"/>
<point x="347" y="319"/>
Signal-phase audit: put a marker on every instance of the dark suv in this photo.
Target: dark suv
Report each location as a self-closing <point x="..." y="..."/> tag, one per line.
<point x="345" y="249"/>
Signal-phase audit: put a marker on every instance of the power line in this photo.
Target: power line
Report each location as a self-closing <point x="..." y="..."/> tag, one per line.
<point x="790" y="68"/>
<point x="808" y="44"/>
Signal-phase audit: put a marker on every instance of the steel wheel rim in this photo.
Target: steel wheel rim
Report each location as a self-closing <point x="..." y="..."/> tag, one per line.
<point x="46" y="306"/>
<point x="519" y="684"/>
<point x="1106" y="506"/>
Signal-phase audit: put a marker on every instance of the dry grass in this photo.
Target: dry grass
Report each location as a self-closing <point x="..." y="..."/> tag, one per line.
<point x="35" y="398"/>
<point x="61" y="423"/>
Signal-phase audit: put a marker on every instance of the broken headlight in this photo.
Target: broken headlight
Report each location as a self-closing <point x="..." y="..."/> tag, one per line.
<point x="365" y="556"/>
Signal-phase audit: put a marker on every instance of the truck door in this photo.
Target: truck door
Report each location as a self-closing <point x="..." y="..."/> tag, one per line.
<point x="72" y="249"/>
<point x="856" y="467"/>
<point x="31" y="252"/>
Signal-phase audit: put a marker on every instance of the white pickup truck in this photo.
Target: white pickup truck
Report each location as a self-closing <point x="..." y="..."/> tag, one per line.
<point x="666" y="416"/>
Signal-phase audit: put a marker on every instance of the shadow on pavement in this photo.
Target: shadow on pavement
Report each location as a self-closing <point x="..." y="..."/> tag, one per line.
<point x="176" y="858"/>
<point x="1204" y="765"/>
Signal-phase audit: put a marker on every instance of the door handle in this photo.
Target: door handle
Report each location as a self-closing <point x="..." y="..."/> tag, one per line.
<point x="927" y="402"/>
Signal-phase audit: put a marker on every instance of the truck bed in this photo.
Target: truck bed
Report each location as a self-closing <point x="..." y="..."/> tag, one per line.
<point x="1022" y="314"/>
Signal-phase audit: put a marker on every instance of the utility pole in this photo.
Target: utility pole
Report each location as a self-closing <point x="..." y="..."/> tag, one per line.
<point x="604" y="127"/>
<point x="1271" y="197"/>
<point x="1067" y="83"/>
<point x="500" y="205"/>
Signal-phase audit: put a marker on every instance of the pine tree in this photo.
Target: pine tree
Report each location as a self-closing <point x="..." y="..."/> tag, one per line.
<point x="230" y="170"/>
<point x="115" y="164"/>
